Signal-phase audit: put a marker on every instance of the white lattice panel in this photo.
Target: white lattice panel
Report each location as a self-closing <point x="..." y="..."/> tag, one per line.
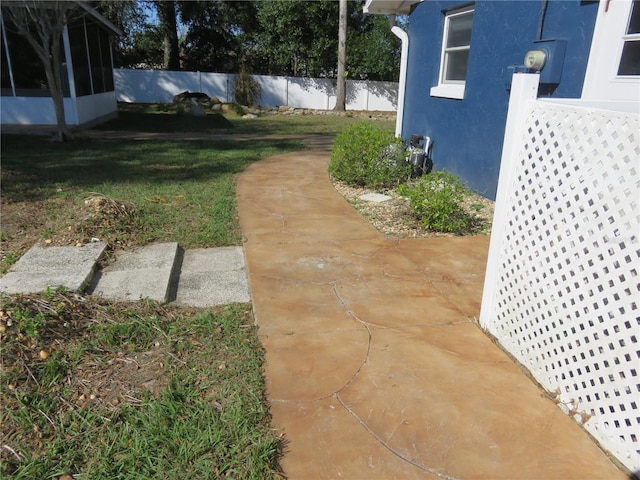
<point x="566" y="300"/>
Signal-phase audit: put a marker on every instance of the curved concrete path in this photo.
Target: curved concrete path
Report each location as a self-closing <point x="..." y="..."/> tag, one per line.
<point x="375" y="366"/>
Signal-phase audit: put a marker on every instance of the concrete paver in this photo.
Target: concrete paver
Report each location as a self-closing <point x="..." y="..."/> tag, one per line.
<point x="51" y="267"/>
<point x="212" y="276"/>
<point x="144" y="272"/>
<point x="376" y="367"/>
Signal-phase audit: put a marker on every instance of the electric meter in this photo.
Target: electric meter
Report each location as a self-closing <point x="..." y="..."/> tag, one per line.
<point x="534" y="59"/>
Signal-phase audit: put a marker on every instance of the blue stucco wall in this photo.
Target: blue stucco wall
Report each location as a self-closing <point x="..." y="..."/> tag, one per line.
<point x="468" y="133"/>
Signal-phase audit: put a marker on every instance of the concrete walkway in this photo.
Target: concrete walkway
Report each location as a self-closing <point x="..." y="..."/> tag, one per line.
<point x="376" y="367"/>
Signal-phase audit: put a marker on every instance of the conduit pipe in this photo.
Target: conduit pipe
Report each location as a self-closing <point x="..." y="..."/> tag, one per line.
<point x="404" y="38"/>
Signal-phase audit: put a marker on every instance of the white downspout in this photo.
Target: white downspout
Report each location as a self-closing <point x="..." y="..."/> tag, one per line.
<point x="404" y="38"/>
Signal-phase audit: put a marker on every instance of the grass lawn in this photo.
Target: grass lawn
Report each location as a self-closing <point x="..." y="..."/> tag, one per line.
<point x="96" y="389"/>
<point x="153" y="118"/>
<point x="131" y="391"/>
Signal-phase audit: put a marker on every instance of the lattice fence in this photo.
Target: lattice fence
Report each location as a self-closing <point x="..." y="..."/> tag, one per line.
<point x="565" y="302"/>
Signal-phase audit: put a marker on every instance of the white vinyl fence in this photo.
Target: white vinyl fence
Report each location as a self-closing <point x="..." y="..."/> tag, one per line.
<point x="562" y="286"/>
<point x="160" y="86"/>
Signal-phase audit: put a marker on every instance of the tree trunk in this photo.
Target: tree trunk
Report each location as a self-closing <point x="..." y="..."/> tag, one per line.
<point x="167" y="14"/>
<point x="57" y="94"/>
<point x="341" y="94"/>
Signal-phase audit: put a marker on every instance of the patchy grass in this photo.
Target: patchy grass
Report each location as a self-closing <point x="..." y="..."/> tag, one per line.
<point x="102" y="390"/>
<point x="180" y="191"/>
<point x="162" y="118"/>
<point x="91" y="389"/>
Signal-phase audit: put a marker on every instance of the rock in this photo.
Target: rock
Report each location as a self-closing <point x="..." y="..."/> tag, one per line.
<point x="249" y="116"/>
<point x="197" y="111"/>
<point x="187" y="96"/>
<point x="216" y="107"/>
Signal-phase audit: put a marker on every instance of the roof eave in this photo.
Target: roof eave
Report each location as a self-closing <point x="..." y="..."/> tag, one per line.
<point x="389" y="7"/>
<point x="91" y="11"/>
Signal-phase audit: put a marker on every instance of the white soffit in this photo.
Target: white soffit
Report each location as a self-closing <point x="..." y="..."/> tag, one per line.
<point x="389" y="7"/>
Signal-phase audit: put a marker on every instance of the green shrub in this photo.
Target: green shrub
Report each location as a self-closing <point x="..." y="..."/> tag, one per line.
<point x="436" y="200"/>
<point x="365" y="154"/>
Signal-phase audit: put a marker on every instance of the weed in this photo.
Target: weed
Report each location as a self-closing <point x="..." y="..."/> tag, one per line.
<point x="29" y="323"/>
<point x="8" y="259"/>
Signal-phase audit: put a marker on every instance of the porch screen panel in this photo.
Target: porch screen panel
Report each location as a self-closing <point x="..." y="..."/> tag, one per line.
<point x="106" y="67"/>
<point x="28" y="72"/>
<point x="6" y="78"/>
<point x="95" y="57"/>
<point x="81" y="75"/>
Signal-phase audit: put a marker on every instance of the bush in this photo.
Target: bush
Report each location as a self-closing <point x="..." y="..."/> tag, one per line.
<point x="247" y="90"/>
<point x="436" y="200"/>
<point x="364" y="154"/>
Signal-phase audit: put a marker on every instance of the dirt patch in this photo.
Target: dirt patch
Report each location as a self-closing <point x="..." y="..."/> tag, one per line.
<point x="394" y="217"/>
<point x="64" y="320"/>
<point x="60" y="222"/>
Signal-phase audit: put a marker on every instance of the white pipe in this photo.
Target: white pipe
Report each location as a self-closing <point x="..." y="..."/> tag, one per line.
<point x="404" y="38"/>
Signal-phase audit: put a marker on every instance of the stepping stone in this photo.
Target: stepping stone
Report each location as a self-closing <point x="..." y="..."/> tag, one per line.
<point x="213" y="276"/>
<point x="52" y="267"/>
<point x="144" y="272"/>
<point x="375" y="197"/>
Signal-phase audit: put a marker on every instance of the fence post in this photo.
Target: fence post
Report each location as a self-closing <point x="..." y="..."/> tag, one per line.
<point x="524" y="87"/>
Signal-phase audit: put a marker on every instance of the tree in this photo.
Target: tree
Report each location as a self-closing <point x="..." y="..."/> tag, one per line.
<point x="374" y="51"/>
<point x="140" y="42"/>
<point x="216" y="34"/>
<point x="42" y="25"/>
<point x="297" y="37"/>
<point x="341" y="79"/>
<point x="169" y="27"/>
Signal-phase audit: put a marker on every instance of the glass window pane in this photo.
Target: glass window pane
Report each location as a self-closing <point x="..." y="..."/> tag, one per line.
<point x="456" y="65"/>
<point x="459" y="33"/>
<point x="630" y="61"/>
<point x="634" y="20"/>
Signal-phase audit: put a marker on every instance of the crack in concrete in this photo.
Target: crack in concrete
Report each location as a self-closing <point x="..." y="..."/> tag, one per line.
<point x="336" y="395"/>
<point x="386" y="445"/>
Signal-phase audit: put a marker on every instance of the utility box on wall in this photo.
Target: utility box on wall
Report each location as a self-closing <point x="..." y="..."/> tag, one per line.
<point x="554" y="52"/>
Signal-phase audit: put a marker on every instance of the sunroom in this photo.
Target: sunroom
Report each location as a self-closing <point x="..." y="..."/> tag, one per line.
<point x="86" y="71"/>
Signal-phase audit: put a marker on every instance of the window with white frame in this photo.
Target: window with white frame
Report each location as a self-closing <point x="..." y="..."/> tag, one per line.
<point x="613" y="71"/>
<point x="630" y="58"/>
<point x="456" y="44"/>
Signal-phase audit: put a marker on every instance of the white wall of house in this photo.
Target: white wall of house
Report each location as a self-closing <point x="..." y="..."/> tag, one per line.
<point x="158" y="86"/>
<point x="34" y="111"/>
<point x="39" y="110"/>
<point x="95" y="107"/>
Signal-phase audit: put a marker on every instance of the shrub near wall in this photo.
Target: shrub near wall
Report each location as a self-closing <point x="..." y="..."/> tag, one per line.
<point x="367" y="155"/>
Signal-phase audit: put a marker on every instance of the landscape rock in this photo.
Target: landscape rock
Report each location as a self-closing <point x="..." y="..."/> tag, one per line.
<point x="197" y="111"/>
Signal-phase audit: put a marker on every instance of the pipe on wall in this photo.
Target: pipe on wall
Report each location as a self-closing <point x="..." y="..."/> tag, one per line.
<point x="404" y="38"/>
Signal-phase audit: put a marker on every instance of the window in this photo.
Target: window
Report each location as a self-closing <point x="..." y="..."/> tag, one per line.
<point x="613" y="71"/>
<point x="630" y="58"/>
<point x="456" y="43"/>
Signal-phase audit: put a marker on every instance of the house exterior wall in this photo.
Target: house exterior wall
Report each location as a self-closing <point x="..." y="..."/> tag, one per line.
<point x="34" y="111"/>
<point x="468" y="133"/>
